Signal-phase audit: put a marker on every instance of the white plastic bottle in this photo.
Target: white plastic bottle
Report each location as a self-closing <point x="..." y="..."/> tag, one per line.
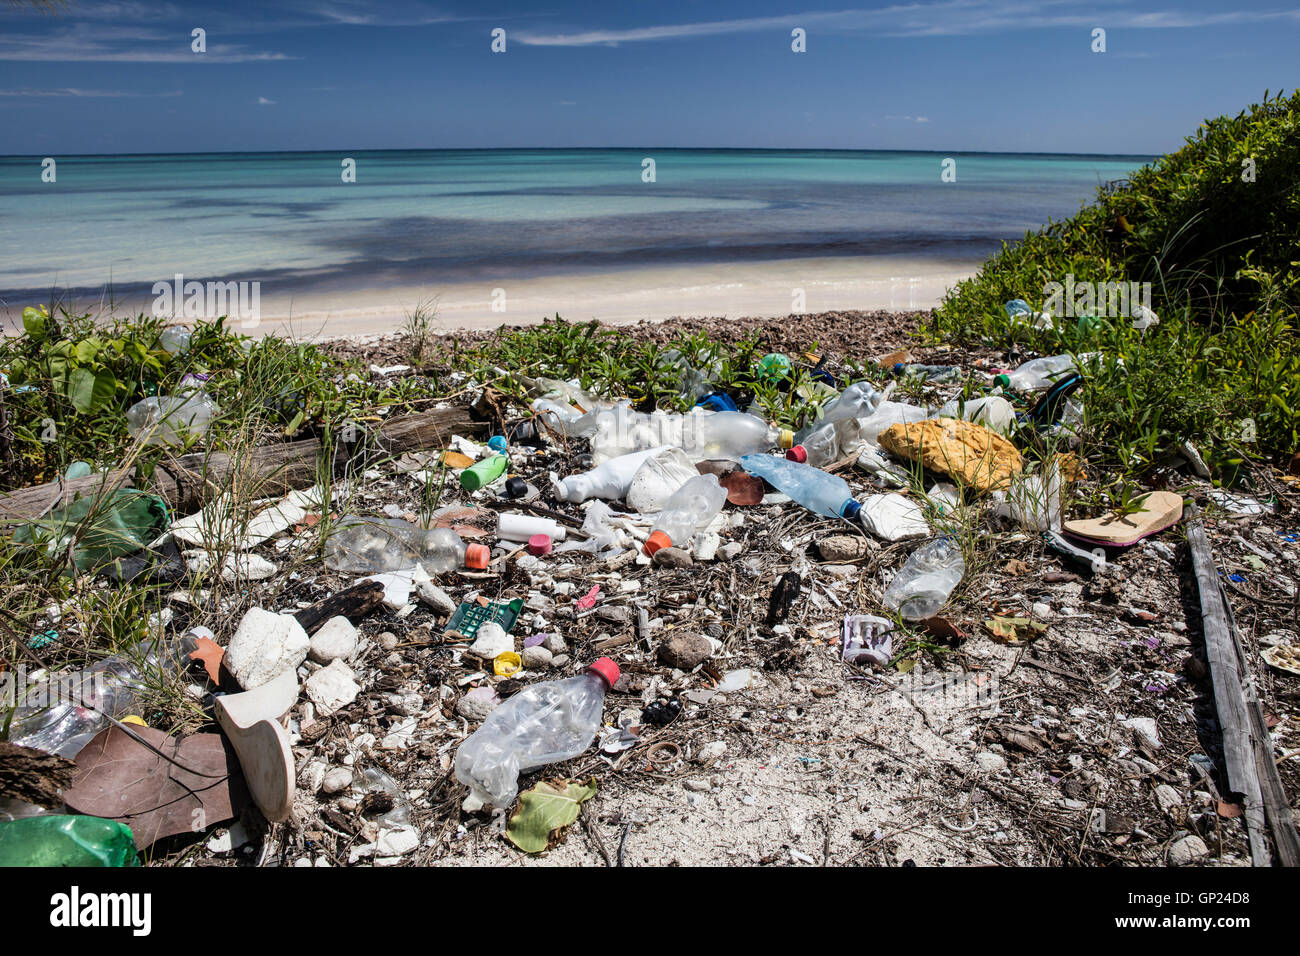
<point x="610" y="480"/>
<point x="1039" y="373"/>
<point x="542" y="724"/>
<point x="856" y="401"/>
<point x="991" y="411"/>
<point x="925" y="581"/>
<point x="692" y="505"/>
<point x="517" y="527"/>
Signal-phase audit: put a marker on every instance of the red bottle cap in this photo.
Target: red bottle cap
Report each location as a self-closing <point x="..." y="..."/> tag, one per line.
<point x="477" y="556"/>
<point x="539" y="544"/>
<point x="656" y="541"/>
<point x="606" y="668"/>
<point x="797" y="453"/>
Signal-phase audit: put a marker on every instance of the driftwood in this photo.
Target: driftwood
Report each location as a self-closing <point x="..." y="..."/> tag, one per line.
<point x="1246" y="748"/>
<point x="189" y="481"/>
<point x="353" y="603"/>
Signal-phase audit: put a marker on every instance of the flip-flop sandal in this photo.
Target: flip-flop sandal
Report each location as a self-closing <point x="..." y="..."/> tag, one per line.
<point x="1160" y="510"/>
<point x="251" y="722"/>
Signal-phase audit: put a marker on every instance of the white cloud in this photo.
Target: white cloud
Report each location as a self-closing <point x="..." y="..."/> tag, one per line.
<point x="263" y="101"/>
<point x="72" y="91"/>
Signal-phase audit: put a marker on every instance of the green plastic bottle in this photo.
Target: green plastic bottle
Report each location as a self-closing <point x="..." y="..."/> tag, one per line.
<point x="66" y="841"/>
<point x="773" y="367"/>
<point x="484" y="473"/>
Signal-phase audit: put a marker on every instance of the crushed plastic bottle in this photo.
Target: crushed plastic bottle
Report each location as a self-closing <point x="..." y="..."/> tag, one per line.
<point x="59" y="840"/>
<point x="886" y="414"/>
<point x="856" y="401"/>
<point x="690" y="507"/>
<point x="171" y="419"/>
<point x="816" y="490"/>
<point x="544" y="723"/>
<point x="610" y="480"/>
<point x="1039" y="373"/>
<point x="175" y="340"/>
<point x="829" y="443"/>
<point x="991" y="411"/>
<point x="926" y="580"/>
<point x="928" y="373"/>
<point x="692" y="383"/>
<point x="376" y="545"/>
<point x="701" y="435"/>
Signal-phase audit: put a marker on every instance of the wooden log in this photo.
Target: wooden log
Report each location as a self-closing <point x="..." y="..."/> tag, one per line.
<point x="186" y="483"/>
<point x="354" y="603"/>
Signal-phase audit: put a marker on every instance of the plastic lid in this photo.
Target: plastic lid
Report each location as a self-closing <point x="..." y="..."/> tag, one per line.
<point x="899" y="366"/>
<point x="606" y="668"/>
<point x="477" y="556"/>
<point x="539" y="544"/>
<point x="1002" y="381"/>
<point x="851" y="508"/>
<point x="516" y="487"/>
<point x="786" y="438"/>
<point x="656" y="541"/>
<point x="797" y="453"/>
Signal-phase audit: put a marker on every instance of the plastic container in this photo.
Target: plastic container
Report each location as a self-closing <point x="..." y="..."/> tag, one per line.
<point x="856" y="401"/>
<point x="542" y="724"/>
<point x="930" y="373"/>
<point x="701" y="435"/>
<point x="691" y="506"/>
<point x="816" y="490"/>
<point x="483" y="473"/>
<point x="376" y="545"/>
<point x="926" y="580"/>
<point x="171" y="419"/>
<point x="515" y="527"/>
<point x="1039" y="373"/>
<point x="66" y="841"/>
<point x="829" y="443"/>
<point x="610" y="480"/>
<point x="991" y="411"/>
<point x="175" y="340"/>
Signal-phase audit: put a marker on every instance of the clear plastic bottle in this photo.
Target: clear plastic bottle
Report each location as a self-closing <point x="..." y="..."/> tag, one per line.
<point x="692" y="505"/>
<point x="930" y="373"/>
<point x="373" y="546"/>
<point x="542" y="724"/>
<point x="1039" y="373"/>
<point x="829" y="443"/>
<point x="925" y="581"/>
<point x="816" y="490"/>
<point x="856" y="401"/>
<point x="65" y="840"/>
<point x="887" y="414"/>
<point x="701" y="435"/>
<point x="170" y="419"/>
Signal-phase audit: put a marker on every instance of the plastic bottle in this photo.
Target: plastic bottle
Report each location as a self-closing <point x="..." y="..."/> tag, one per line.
<point x="484" y="472"/>
<point x="372" y="546"/>
<point x="816" y="490"/>
<point x="924" y="582"/>
<point x="701" y="435"/>
<point x="542" y="724"/>
<point x="609" y="480"/>
<point x="175" y="340"/>
<point x="856" y="401"/>
<point x="930" y="373"/>
<point x="58" y="840"/>
<point x="170" y="419"/>
<point x="1039" y="373"/>
<point x="514" y="527"/>
<point x="991" y="411"/>
<point x="692" y="505"/>
<point x="829" y="443"/>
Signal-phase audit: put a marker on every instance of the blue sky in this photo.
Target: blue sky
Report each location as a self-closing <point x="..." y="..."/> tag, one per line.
<point x="110" y="76"/>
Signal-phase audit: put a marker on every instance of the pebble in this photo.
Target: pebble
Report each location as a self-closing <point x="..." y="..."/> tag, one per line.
<point x="730" y="550"/>
<point x="990" y="762"/>
<point x="560" y="660"/>
<point x="615" y="614"/>
<point x="843" y="548"/>
<point x="710" y="753"/>
<point x="672" y="558"/>
<point x="696" y="785"/>
<point x="336" y="640"/>
<point x="313" y="775"/>
<point x="1167" y="797"/>
<point x="388" y="641"/>
<point x="337" y="780"/>
<point x="685" y="651"/>
<point x="476" y="708"/>
<point x="537" y="657"/>
<point x="1188" y="850"/>
<point x="265" y="645"/>
<point x="555" y="643"/>
<point x="332" y="688"/>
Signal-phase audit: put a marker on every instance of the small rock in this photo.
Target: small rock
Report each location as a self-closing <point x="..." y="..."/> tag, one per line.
<point x="313" y="775"/>
<point x="537" y="657"/>
<point x="432" y="595"/>
<point x="685" y="651"/>
<point x="406" y="705"/>
<point x="1146" y="726"/>
<point x="673" y="558"/>
<point x="615" y="614"/>
<point x="1188" y="850"/>
<point x="337" y="780"/>
<point x="336" y="640"/>
<point x="1167" y="797"/>
<point x="476" y="708"/>
<point x="730" y="550"/>
<point x="388" y="641"/>
<point x="560" y="660"/>
<point x="990" y="762"/>
<point x="397" y="842"/>
<point x="1041" y="611"/>
<point x="697" y="786"/>
<point x="555" y="643"/>
<point x="332" y="688"/>
<point x="711" y="753"/>
<point x="491" y="641"/>
<point x="265" y="645"/>
<point x="843" y="548"/>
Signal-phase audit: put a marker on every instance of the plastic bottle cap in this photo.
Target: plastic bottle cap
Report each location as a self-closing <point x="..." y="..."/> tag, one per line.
<point x="851" y="508"/>
<point x="477" y="556"/>
<point x="606" y="668"/>
<point x="498" y="444"/>
<point x="656" y="541"/>
<point x="516" y="487"/>
<point x="898" y="367"/>
<point x="507" y="663"/>
<point x="539" y="544"/>
<point x="1002" y="381"/>
<point x="797" y="453"/>
<point x="787" y="438"/>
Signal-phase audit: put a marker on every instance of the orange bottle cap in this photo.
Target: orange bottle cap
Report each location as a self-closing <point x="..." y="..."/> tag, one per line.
<point x="477" y="556"/>
<point x="656" y="541"/>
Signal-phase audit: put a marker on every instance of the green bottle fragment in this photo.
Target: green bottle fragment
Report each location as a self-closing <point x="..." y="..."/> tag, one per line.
<point x="58" y="840"/>
<point x="484" y="473"/>
<point x="773" y="367"/>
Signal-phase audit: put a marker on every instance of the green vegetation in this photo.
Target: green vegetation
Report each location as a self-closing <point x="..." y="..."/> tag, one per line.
<point x="1215" y="229"/>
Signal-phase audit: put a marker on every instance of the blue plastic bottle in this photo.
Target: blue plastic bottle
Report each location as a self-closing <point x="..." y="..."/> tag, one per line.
<point x="816" y="490"/>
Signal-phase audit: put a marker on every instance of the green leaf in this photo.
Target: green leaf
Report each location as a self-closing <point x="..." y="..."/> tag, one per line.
<point x="34" y="322"/>
<point x="88" y="391"/>
<point x="545" y="809"/>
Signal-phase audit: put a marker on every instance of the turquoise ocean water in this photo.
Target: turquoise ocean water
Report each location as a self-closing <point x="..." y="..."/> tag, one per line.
<point x="423" y="217"/>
